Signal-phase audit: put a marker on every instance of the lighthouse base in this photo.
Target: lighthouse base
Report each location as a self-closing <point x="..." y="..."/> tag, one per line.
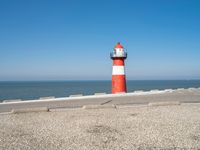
<point x="118" y="84"/>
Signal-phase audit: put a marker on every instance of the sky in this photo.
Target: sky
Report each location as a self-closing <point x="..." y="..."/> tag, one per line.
<point x="72" y="39"/>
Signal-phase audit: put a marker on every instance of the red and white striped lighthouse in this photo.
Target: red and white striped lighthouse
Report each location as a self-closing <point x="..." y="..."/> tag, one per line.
<point x="118" y="72"/>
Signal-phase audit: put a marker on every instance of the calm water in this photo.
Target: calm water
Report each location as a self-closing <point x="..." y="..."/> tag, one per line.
<point x="36" y="89"/>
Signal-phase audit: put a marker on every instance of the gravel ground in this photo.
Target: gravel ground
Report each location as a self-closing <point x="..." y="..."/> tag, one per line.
<point x="163" y="127"/>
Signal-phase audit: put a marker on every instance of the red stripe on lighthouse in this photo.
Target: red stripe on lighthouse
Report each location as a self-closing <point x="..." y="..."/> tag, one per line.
<point x="118" y="83"/>
<point x="118" y="62"/>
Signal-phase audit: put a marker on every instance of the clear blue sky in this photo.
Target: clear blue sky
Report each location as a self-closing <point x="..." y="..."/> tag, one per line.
<point x="72" y="39"/>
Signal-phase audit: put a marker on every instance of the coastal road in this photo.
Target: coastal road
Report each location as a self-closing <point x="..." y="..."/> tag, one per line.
<point x="184" y="95"/>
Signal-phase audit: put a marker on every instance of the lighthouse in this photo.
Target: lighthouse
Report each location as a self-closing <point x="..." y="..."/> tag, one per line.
<point x="118" y="71"/>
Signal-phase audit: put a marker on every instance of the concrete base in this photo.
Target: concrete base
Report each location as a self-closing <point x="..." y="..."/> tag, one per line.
<point x="25" y="110"/>
<point x="99" y="93"/>
<point x="13" y="100"/>
<point x="164" y="103"/>
<point x="77" y="95"/>
<point x="50" y="97"/>
<point x="98" y="106"/>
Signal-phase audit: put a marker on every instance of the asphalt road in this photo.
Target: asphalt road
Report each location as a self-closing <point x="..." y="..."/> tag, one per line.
<point x="186" y="96"/>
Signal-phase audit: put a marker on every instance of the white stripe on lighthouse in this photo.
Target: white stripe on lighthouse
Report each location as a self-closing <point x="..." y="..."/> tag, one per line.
<point x="118" y="70"/>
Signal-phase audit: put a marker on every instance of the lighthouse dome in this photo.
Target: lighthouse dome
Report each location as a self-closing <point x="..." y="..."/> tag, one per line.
<point x="118" y="45"/>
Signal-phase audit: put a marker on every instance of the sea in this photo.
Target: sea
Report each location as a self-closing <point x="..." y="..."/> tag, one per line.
<point x="29" y="90"/>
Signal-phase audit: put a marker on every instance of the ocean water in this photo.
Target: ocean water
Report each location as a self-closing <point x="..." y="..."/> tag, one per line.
<point x="34" y="89"/>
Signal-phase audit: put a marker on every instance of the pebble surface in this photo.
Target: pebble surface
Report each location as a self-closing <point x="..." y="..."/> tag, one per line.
<point x="125" y="128"/>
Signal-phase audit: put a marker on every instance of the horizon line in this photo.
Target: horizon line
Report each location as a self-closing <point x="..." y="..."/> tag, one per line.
<point x="100" y="80"/>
